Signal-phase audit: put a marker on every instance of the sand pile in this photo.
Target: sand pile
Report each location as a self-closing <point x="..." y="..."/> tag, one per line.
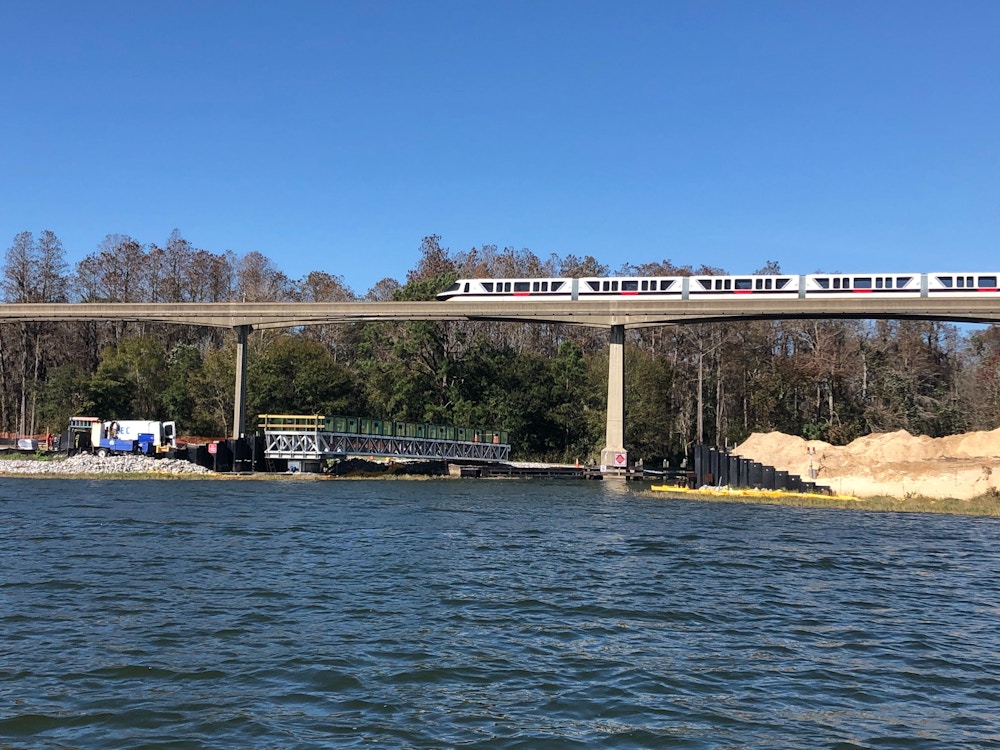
<point x="893" y="463"/>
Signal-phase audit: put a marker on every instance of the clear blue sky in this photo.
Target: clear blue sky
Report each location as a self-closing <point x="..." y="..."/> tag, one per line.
<point x="840" y="135"/>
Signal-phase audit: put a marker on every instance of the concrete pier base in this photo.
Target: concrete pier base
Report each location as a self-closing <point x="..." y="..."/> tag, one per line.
<point x="614" y="459"/>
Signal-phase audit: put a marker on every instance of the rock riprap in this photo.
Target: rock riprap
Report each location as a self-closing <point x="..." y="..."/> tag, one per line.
<point x="84" y="463"/>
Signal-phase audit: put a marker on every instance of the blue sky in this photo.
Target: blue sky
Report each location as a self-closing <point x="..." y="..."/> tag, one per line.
<point x="333" y="136"/>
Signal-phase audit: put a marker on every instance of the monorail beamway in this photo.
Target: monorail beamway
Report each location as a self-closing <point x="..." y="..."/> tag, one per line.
<point x="616" y="315"/>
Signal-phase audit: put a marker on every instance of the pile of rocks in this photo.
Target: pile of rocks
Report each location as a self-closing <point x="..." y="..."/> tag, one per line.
<point x="84" y="463"/>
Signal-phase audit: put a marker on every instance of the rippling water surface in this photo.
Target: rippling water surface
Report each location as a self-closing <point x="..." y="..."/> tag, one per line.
<point x="493" y="614"/>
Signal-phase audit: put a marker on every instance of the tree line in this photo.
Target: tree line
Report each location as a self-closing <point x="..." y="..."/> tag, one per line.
<point x="544" y="383"/>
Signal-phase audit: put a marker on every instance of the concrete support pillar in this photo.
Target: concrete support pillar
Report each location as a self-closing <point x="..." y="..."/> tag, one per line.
<point x="614" y="456"/>
<point x="239" y="402"/>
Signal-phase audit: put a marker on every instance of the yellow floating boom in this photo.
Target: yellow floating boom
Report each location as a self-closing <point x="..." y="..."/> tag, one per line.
<point x="746" y="492"/>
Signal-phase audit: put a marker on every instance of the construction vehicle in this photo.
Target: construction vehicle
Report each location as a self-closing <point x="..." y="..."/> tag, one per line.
<point x="120" y="436"/>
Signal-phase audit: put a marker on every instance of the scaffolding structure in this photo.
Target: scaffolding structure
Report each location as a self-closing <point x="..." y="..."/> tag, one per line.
<point x="318" y="445"/>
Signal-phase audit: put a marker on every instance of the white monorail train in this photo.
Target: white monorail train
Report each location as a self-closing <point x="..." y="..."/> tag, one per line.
<point x="815" y="286"/>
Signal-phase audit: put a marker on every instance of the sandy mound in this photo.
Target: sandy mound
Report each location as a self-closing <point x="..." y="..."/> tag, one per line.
<point x="893" y="463"/>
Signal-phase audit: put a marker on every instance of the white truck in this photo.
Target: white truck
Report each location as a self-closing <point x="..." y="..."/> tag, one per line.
<point x="122" y="436"/>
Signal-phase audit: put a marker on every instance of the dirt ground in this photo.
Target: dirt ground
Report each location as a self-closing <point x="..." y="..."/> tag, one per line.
<point x="896" y="464"/>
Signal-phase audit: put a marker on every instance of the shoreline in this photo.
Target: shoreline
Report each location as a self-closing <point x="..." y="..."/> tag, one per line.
<point x="133" y="467"/>
<point x="984" y="506"/>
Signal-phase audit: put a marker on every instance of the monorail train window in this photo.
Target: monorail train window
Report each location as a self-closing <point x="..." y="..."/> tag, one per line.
<point x="987" y="282"/>
<point x="823" y="283"/>
<point x="862" y="282"/>
<point x="556" y="286"/>
<point x="466" y="290"/>
<point x="945" y="281"/>
<point x="630" y="285"/>
<point x="664" y="284"/>
<point x="535" y="286"/>
<point x="878" y="282"/>
<point x="902" y="281"/>
<point x="487" y="286"/>
<point x="780" y="283"/>
<point x="545" y="286"/>
<point x="522" y="286"/>
<point x="595" y="286"/>
<point x="506" y="286"/>
<point x="706" y="284"/>
<point x="645" y="285"/>
<point x="743" y="284"/>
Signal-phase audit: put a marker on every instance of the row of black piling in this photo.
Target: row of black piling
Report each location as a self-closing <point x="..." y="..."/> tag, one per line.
<point x="717" y="467"/>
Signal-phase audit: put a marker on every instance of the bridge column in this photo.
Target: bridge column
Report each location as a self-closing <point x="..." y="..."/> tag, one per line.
<point x="614" y="455"/>
<point x="239" y="401"/>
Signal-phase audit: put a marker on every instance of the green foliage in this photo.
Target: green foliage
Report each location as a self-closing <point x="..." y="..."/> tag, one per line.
<point x="425" y="289"/>
<point x="212" y="394"/>
<point x="66" y="393"/>
<point x="815" y="430"/>
<point x="130" y="380"/>
<point x="295" y="375"/>
<point x="648" y="384"/>
<point x="577" y="404"/>
<point x="183" y="364"/>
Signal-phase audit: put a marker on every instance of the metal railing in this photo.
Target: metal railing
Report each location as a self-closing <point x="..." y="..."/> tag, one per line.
<point x="315" y="437"/>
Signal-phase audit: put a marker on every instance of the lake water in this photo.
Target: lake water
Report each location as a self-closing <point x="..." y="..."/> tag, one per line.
<point x="485" y="614"/>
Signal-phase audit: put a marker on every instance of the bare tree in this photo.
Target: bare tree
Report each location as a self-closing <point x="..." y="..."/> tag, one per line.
<point x="258" y="279"/>
<point x="320" y="286"/>
<point x="33" y="272"/>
